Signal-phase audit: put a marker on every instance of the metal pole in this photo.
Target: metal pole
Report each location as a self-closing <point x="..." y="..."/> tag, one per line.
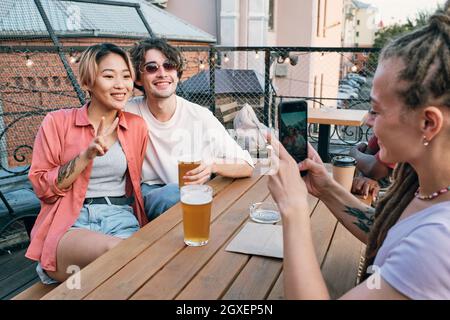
<point x="147" y="26"/>
<point x="66" y="65"/>
<point x="212" y="79"/>
<point x="266" y="86"/>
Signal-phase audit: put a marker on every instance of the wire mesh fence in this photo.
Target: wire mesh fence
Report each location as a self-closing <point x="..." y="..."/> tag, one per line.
<point x="34" y="81"/>
<point x="262" y="77"/>
<point x="41" y="41"/>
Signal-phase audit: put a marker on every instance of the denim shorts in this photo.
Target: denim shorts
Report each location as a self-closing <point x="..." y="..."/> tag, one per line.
<point x="113" y="220"/>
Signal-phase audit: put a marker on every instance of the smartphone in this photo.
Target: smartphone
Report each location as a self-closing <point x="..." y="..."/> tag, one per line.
<point x="293" y="128"/>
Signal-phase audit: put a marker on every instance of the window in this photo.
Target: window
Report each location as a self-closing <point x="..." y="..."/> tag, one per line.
<point x="271" y="15"/>
<point x="357" y="33"/>
<point x="358" y="22"/>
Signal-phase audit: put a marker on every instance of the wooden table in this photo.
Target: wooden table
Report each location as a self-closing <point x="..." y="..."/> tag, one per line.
<point x="325" y="118"/>
<point x="155" y="264"/>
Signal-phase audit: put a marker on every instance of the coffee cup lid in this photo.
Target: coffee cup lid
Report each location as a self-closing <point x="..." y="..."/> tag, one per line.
<point x="343" y="161"/>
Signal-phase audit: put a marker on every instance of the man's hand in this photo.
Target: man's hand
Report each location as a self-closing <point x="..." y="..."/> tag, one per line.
<point x="199" y="175"/>
<point x="365" y="186"/>
<point x="362" y="147"/>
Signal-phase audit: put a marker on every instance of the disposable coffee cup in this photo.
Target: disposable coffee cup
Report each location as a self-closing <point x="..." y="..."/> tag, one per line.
<point x="344" y="170"/>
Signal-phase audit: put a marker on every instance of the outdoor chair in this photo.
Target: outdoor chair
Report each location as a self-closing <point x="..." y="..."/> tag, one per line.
<point x="226" y="114"/>
<point x="18" y="203"/>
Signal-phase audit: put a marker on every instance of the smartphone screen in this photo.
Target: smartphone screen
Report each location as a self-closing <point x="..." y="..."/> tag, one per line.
<point x="293" y="126"/>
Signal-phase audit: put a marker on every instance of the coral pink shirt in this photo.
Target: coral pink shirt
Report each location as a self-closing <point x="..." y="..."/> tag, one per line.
<point x="63" y="135"/>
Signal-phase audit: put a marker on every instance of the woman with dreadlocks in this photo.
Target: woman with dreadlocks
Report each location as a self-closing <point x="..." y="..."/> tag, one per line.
<point x="408" y="234"/>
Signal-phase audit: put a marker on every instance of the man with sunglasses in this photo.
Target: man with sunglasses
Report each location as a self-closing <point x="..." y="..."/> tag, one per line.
<point x="177" y="127"/>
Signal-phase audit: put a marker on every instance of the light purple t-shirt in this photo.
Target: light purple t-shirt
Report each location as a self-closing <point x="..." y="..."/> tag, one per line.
<point x="415" y="256"/>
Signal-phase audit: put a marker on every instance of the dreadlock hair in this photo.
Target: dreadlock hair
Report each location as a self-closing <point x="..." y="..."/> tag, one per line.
<point x="426" y="56"/>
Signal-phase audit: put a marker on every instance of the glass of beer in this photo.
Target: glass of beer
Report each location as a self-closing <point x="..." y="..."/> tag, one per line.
<point x="196" y="201"/>
<point x="186" y="163"/>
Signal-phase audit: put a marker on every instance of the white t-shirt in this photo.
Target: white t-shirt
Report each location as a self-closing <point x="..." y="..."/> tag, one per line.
<point x="415" y="256"/>
<point x="193" y="130"/>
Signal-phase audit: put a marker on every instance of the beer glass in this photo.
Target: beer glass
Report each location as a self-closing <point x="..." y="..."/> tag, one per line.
<point x="186" y="163"/>
<point x="196" y="201"/>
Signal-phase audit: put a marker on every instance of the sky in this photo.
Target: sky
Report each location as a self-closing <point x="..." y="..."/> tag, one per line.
<point x="392" y="11"/>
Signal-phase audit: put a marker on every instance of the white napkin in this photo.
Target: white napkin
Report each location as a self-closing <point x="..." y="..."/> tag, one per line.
<point x="258" y="239"/>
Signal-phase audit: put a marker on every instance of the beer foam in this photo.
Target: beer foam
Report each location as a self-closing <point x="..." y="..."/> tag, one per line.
<point x="196" y="198"/>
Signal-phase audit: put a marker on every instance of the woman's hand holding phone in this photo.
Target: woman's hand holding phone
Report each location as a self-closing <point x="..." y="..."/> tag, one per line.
<point x="318" y="181"/>
<point x="286" y="186"/>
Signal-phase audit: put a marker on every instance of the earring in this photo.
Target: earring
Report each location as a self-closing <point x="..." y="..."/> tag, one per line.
<point x="425" y="141"/>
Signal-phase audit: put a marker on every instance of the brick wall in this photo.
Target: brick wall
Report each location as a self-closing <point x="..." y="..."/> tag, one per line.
<point x="28" y="93"/>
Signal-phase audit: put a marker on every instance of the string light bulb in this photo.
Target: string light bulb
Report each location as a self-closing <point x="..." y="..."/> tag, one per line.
<point x="354" y="68"/>
<point x="202" y="65"/>
<point x="225" y="58"/>
<point x="321" y="56"/>
<point x="29" y="62"/>
<point x="73" y="58"/>
<point x="256" y="55"/>
<point x="287" y="60"/>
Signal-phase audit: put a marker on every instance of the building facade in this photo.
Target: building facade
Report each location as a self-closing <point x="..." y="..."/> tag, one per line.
<point x="307" y="23"/>
<point x="361" y="22"/>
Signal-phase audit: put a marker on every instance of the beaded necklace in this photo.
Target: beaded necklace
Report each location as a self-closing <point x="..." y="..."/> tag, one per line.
<point x="431" y="196"/>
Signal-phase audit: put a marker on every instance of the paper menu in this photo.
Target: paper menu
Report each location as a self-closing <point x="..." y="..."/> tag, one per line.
<point x="258" y="239"/>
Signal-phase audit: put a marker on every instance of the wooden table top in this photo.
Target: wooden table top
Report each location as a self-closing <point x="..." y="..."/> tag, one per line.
<point x="341" y="117"/>
<point x="155" y="263"/>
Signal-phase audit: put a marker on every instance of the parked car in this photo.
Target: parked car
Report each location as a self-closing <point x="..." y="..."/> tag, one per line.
<point x="345" y="87"/>
<point x="351" y="82"/>
<point x="347" y="94"/>
<point x="357" y="77"/>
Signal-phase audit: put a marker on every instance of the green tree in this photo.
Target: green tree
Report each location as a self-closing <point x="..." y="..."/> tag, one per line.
<point x="383" y="36"/>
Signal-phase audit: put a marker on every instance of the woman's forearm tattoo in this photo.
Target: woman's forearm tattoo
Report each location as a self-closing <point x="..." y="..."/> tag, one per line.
<point x="365" y="218"/>
<point x="66" y="170"/>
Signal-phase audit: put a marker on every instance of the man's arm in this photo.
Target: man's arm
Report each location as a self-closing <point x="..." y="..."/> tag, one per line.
<point x="203" y="172"/>
<point x="236" y="170"/>
<point x="369" y="165"/>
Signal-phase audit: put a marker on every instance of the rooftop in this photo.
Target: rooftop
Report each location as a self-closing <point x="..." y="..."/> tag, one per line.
<point x="226" y="81"/>
<point x="361" y="5"/>
<point x="86" y="19"/>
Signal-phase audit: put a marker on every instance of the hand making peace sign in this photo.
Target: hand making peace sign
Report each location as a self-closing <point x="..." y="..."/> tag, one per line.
<point x="103" y="139"/>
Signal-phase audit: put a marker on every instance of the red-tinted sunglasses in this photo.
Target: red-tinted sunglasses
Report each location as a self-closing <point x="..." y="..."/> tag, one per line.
<point x="152" y="67"/>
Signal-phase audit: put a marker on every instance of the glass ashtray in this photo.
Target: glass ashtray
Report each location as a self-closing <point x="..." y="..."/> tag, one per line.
<point x="265" y="212"/>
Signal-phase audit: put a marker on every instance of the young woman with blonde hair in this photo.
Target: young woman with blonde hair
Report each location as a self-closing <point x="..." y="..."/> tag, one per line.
<point x="86" y="169"/>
